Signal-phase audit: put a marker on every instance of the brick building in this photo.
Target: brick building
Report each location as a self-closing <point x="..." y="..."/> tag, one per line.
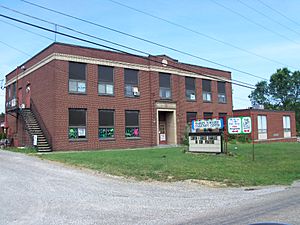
<point x="271" y="125"/>
<point x="77" y="98"/>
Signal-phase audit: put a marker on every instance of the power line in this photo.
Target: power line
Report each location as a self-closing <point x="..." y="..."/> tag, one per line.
<point x="250" y="86"/>
<point x="26" y="30"/>
<point x="193" y="31"/>
<point x="268" y="17"/>
<point x="280" y="13"/>
<point x="92" y="36"/>
<point x="253" y="22"/>
<point x="10" y="46"/>
<point x="141" y="39"/>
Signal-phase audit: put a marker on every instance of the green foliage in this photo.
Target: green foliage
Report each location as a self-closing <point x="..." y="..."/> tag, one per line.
<point x="282" y="92"/>
<point x="2" y="136"/>
<point x="276" y="163"/>
<point x="185" y="138"/>
<point x="239" y="138"/>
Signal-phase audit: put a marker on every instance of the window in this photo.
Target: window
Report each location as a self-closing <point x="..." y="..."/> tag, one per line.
<point x="132" y="128"/>
<point x="190" y="90"/>
<point x="286" y="126"/>
<point x="206" y="90"/>
<point x="262" y="124"/>
<point x="106" y="124"/>
<point x="262" y="127"/>
<point x="221" y="92"/>
<point x="105" y="80"/>
<point x="190" y="116"/>
<point x="207" y="115"/>
<point x="165" y="86"/>
<point x="286" y="123"/>
<point x="11" y="95"/>
<point x="131" y="83"/>
<point x="77" y="82"/>
<point x="77" y="123"/>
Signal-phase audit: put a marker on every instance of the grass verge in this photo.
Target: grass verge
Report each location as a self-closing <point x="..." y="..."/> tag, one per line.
<point x="277" y="163"/>
<point x="21" y="150"/>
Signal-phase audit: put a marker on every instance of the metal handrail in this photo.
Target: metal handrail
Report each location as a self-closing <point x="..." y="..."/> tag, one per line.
<point x="41" y="122"/>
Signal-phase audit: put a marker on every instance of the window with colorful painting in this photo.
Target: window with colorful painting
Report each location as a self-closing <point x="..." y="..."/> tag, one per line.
<point x="132" y="128"/>
<point x="77" y="124"/>
<point x="106" y="123"/>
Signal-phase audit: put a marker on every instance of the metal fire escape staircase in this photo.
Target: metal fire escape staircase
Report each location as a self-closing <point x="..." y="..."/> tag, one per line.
<point x="33" y="128"/>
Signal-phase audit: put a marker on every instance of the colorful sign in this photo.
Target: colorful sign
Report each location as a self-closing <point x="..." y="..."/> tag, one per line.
<point x="239" y="125"/>
<point x="207" y="124"/>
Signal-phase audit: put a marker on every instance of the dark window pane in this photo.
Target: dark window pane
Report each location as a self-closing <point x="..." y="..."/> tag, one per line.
<point x="222" y="115"/>
<point x="189" y="83"/>
<point x="106" y="118"/>
<point x="206" y="85"/>
<point x="221" y="87"/>
<point x="131" y="118"/>
<point x="207" y="115"/>
<point x="105" y="74"/>
<point x="77" y="71"/>
<point x="164" y="80"/>
<point x="77" y="117"/>
<point x="131" y="76"/>
<point x="191" y="116"/>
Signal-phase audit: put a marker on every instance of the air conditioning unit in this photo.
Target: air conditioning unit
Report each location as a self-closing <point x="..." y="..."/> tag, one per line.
<point x="136" y="91"/>
<point x="192" y="97"/>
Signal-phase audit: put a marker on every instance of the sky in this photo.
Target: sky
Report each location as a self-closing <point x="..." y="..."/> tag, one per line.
<point x="251" y="39"/>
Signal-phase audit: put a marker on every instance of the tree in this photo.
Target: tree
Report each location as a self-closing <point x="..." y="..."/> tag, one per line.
<point x="282" y="92"/>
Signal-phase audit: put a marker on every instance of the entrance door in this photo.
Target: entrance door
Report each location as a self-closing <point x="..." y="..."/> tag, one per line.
<point x="162" y="133"/>
<point x="28" y="93"/>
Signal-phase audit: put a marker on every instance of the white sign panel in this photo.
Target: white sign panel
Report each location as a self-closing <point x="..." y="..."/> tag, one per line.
<point x="162" y="137"/>
<point x="207" y="124"/>
<point x="81" y="132"/>
<point x="246" y="125"/>
<point x="239" y="125"/>
<point x="35" y="140"/>
<point x="234" y="125"/>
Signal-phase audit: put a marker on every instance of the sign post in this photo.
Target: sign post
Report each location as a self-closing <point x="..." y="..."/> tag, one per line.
<point x="241" y="125"/>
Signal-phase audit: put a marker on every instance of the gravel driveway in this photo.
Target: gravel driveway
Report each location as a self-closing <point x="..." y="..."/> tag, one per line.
<point x="34" y="191"/>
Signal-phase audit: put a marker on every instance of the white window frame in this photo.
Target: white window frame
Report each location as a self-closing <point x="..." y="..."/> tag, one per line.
<point x="262" y="127"/>
<point x="286" y="126"/>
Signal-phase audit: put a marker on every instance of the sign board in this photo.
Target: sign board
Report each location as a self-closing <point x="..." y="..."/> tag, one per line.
<point x="81" y="132"/>
<point x="35" y="140"/>
<point x="207" y="124"/>
<point x="239" y="125"/>
<point x="162" y="137"/>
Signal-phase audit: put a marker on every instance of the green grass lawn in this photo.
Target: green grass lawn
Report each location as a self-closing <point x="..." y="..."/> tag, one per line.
<point x="277" y="163"/>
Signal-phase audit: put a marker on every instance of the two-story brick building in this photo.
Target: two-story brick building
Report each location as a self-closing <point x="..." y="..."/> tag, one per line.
<point x="77" y="98"/>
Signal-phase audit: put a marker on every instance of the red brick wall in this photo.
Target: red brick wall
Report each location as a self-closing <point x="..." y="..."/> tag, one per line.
<point x="49" y="86"/>
<point x="274" y="123"/>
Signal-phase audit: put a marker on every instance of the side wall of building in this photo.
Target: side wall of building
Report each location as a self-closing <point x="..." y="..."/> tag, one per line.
<point x="275" y="131"/>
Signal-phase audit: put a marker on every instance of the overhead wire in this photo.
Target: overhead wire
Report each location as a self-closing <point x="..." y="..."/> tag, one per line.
<point x="242" y="84"/>
<point x="192" y="31"/>
<point x="279" y="13"/>
<point x="268" y="17"/>
<point x="101" y="39"/>
<point x="254" y="22"/>
<point x="151" y="42"/>
<point x="26" y="30"/>
<point x="10" y="46"/>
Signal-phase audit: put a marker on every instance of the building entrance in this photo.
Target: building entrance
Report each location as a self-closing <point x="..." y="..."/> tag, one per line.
<point x="166" y="127"/>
